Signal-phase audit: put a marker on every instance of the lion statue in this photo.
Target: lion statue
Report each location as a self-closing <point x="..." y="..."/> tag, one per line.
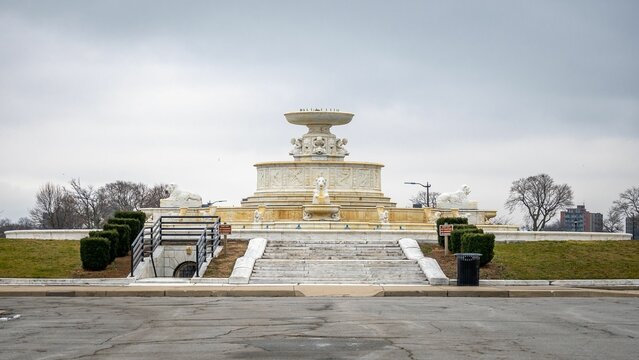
<point x="320" y="195"/>
<point x="180" y="198"/>
<point x="456" y="200"/>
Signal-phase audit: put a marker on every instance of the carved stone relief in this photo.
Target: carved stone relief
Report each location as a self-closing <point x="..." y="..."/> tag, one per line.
<point x="261" y="179"/>
<point x="276" y="177"/>
<point x="362" y="179"/>
<point x="319" y="145"/>
<point x="295" y="177"/>
<point x="344" y="178"/>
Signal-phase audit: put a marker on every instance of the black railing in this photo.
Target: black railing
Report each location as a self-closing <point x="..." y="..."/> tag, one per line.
<point x="137" y="250"/>
<point x="200" y="252"/>
<point x="177" y="229"/>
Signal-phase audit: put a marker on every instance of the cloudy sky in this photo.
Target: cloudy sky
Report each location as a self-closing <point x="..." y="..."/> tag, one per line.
<point x="476" y="92"/>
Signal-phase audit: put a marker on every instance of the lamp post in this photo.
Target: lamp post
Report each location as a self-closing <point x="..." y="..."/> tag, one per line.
<point x="216" y="201"/>
<point x="427" y="186"/>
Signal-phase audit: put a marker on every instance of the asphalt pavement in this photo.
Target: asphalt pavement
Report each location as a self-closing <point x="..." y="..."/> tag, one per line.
<point x="318" y="328"/>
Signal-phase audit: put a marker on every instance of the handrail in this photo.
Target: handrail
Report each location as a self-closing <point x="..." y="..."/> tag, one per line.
<point x="200" y="252"/>
<point x="215" y="236"/>
<point x="137" y="250"/>
<point x="177" y="228"/>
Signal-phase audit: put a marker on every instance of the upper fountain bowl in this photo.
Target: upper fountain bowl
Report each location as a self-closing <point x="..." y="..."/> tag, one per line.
<point x="318" y="117"/>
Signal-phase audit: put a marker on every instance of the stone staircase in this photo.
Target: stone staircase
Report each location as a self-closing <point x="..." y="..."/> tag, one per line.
<point x="335" y="262"/>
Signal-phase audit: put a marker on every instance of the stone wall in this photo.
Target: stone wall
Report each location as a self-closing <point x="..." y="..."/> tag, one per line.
<point x="58" y="234"/>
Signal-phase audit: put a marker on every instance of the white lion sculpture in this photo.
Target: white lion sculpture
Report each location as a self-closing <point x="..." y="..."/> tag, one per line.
<point x="456" y="200"/>
<point x="320" y="195"/>
<point x="180" y="198"/>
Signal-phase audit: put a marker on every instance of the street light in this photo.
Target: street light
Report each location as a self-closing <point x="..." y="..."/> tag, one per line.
<point x="213" y="202"/>
<point x="427" y="186"/>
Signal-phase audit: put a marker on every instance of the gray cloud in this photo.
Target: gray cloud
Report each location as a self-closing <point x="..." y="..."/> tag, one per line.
<point x="115" y="90"/>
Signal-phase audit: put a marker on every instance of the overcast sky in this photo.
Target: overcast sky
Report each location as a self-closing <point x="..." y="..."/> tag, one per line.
<point x="479" y="93"/>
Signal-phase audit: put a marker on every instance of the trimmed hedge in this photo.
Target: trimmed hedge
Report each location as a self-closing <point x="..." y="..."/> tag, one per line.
<point x="125" y="234"/>
<point x="114" y="238"/>
<point x="133" y="224"/>
<point x="138" y="215"/>
<point x="94" y="252"/>
<point x="479" y="243"/>
<point x="451" y="221"/>
<point x="454" y="242"/>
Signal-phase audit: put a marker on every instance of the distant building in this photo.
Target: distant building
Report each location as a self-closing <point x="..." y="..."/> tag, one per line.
<point x="580" y="219"/>
<point x="632" y="226"/>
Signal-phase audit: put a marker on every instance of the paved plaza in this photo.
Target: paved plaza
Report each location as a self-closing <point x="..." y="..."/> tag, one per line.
<point x="319" y="328"/>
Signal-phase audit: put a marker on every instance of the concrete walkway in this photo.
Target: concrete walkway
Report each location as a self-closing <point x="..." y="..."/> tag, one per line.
<point x="296" y="290"/>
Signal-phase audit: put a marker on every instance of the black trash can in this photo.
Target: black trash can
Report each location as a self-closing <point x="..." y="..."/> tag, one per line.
<point x="468" y="269"/>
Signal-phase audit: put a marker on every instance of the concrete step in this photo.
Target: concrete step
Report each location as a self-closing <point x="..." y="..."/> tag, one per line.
<point x="335" y="262"/>
<point x="332" y="257"/>
<point x="334" y="281"/>
<point x="332" y="242"/>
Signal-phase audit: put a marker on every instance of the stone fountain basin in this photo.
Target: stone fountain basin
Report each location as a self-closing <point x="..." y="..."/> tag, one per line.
<point x="319" y="118"/>
<point x="320" y="212"/>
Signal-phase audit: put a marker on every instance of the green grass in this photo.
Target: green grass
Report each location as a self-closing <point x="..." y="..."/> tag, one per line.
<point x="39" y="258"/>
<point x="553" y="260"/>
<point x="550" y="260"/>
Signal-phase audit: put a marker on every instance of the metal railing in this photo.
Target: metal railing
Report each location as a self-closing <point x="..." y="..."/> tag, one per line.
<point x="200" y="252"/>
<point x="137" y="250"/>
<point x="204" y="230"/>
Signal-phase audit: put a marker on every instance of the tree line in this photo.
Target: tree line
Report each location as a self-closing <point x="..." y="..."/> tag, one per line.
<point x="78" y="206"/>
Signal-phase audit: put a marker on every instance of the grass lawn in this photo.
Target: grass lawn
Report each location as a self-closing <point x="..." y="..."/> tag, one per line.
<point x="553" y="260"/>
<point x="549" y="260"/>
<point x="51" y="259"/>
<point x="39" y="258"/>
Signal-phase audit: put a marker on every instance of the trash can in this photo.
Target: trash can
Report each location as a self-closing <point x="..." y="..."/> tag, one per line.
<point x="468" y="269"/>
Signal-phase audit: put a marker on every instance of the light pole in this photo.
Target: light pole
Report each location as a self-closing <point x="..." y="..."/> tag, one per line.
<point x="216" y="201"/>
<point x="427" y="186"/>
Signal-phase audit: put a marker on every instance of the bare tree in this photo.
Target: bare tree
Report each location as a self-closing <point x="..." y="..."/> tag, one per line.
<point x="123" y="195"/>
<point x="628" y="202"/>
<point x="152" y="195"/>
<point x="55" y="208"/>
<point x="539" y="197"/>
<point x="92" y="204"/>
<point x="127" y="195"/>
<point x="613" y="221"/>
<point x="421" y="198"/>
<point x="501" y="220"/>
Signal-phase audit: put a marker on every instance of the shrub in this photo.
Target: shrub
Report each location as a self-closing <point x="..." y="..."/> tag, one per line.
<point x="94" y="252"/>
<point x="479" y="243"/>
<point x="133" y="224"/>
<point x="114" y="238"/>
<point x="123" y="243"/>
<point x="454" y="242"/>
<point x="448" y="220"/>
<point x="138" y="215"/>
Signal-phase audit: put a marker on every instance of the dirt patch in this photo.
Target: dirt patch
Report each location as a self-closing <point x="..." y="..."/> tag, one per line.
<point x="120" y="268"/>
<point x="448" y="263"/>
<point x="222" y="266"/>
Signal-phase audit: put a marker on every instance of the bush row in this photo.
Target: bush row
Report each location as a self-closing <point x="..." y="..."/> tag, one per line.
<point x="483" y="244"/>
<point x="454" y="242"/>
<point x="102" y="247"/>
<point x="468" y="239"/>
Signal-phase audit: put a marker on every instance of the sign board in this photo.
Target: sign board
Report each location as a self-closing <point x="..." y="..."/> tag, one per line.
<point x="445" y="230"/>
<point x="225" y="229"/>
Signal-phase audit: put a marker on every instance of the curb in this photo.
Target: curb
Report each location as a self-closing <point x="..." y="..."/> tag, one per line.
<point x="294" y="290"/>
